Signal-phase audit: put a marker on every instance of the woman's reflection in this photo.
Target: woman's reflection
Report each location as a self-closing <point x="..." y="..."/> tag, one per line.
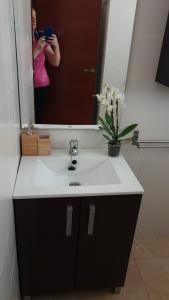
<point x="43" y="48"/>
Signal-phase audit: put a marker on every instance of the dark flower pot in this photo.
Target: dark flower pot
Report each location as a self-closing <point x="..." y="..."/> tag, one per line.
<point x="114" y="149"/>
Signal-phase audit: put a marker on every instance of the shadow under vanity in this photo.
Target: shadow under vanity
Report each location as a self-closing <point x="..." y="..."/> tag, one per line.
<point x="74" y="237"/>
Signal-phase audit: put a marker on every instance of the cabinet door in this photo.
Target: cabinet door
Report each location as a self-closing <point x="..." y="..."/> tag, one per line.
<point x="106" y="234"/>
<point x="47" y="232"/>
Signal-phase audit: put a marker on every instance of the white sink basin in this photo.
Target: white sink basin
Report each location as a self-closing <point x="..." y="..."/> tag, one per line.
<point x="96" y="173"/>
<point x="89" y="171"/>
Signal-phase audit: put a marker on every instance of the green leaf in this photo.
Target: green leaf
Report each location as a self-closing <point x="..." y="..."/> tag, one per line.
<point x="127" y="130"/>
<point x="110" y="122"/>
<point x="105" y="126"/>
<point x="106" y="137"/>
<point x="108" y="119"/>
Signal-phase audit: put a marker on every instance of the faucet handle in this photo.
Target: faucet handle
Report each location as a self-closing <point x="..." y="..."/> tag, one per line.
<point x="74" y="143"/>
<point x="73" y="147"/>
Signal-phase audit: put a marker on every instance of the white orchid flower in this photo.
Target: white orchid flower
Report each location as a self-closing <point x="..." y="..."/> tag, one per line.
<point x="109" y="108"/>
<point x="114" y="91"/>
<point x="120" y="97"/>
<point x="109" y="96"/>
<point x="100" y="97"/>
<point x="105" y="88"/>
<point x="105" y="102"/>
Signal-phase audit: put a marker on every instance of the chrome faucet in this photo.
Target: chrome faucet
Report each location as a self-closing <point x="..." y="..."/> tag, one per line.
<point x="73" y="150"/>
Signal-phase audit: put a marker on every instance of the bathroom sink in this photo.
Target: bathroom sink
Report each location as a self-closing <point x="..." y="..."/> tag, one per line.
<point x="96" y="174"/>
<point x="89" y="171"/>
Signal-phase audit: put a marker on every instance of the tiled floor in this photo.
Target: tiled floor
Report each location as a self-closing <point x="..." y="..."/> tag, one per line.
<point x="147" y="277"/>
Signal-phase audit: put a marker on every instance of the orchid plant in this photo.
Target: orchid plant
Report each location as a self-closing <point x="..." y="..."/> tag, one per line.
<point x="113" y="102"/>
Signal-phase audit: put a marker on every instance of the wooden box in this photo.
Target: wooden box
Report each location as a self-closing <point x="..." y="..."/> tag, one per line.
<point x="29" y="144"/>
<point x="44" y="145"/>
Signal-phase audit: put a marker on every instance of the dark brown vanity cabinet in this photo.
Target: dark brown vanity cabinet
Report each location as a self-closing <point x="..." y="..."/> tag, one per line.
<point x="74" y="243"/>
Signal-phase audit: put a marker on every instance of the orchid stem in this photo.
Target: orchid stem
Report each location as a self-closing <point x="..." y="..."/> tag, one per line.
<point x="117" y="118"/>
<point x="113" y="127"/>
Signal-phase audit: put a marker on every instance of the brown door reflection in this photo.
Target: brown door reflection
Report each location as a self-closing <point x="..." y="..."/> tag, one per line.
<point x="73" y="83"/>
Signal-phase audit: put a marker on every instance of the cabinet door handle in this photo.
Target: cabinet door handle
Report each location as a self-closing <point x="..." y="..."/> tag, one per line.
<point x="92" y="210"/>
<point x="69" y="220"/>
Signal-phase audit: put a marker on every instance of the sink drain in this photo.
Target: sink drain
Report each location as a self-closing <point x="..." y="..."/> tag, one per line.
<point x="74" y="183"/>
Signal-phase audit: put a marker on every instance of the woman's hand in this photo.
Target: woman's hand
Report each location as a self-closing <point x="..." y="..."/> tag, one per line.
<point x="52" y="41"/>
<point x="41" y="43"/>
<point x="53" y="51"/>
<point x="39" y="48"/>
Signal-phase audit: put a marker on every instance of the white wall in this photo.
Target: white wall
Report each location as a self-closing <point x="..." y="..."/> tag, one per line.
<point x="119" y="37"/>
<point x="9" y="152"/>
<point x="148" y="105"/>
<point x="22" y="9"/>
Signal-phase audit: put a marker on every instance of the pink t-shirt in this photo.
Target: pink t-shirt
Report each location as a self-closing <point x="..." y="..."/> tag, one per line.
<point x="41" y="78"/>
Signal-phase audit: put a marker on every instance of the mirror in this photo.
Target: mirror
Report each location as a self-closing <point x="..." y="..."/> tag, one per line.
<point x="75" y="46"/>
<point x="66" y="37"/>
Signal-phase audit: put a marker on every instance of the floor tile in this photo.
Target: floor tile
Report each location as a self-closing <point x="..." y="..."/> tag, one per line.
<point x="155" y="273"/>
<point x="134" y="286"/>
<point x="140" y="250"/>
<point x="151" y="247"/>
<point x="132" y="254"/>
<point x="159" y="246"/>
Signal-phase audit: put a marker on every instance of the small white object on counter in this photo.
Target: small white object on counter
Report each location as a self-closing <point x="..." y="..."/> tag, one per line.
<point x="98" y="174"/>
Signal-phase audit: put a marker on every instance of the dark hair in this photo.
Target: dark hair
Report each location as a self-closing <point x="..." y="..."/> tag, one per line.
<point x="34" y="4"/>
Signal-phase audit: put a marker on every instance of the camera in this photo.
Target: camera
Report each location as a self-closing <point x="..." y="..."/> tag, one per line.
<point x="46" y="33"/>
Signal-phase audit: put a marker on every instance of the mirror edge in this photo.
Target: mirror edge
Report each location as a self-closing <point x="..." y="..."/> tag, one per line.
<point x="100" y="67"/>
<point x="62" y="127"/>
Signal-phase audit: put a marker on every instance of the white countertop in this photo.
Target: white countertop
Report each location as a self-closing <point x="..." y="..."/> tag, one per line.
<point x="25" y="186"/>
